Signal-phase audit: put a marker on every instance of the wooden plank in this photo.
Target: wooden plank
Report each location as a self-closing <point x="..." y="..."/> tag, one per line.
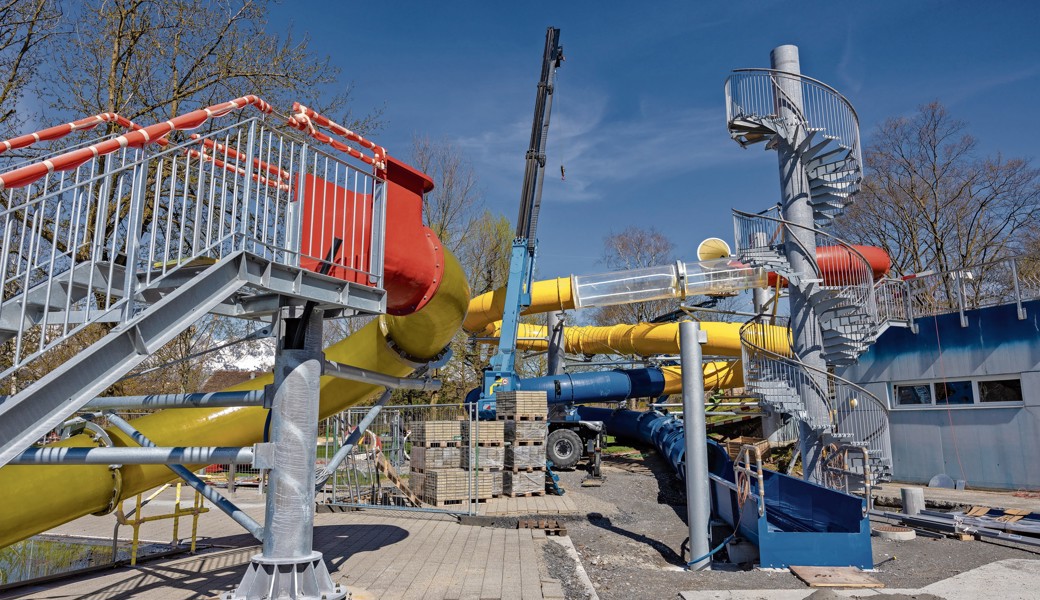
<point x="850" y="577"/>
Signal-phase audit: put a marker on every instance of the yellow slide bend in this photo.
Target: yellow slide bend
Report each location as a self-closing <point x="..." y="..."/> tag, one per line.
<point x="37" y="498"/>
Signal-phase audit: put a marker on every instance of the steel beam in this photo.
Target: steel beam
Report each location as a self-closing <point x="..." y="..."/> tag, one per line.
<point x="218" y="499"/>
<point x="179" y="455"/>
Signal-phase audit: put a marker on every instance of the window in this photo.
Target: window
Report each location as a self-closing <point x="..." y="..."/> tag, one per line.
<point x="961" y="393"/>
<point x="913" y="394"/>
<point x="1003" y="390"/>
<point x="954" y="392"/>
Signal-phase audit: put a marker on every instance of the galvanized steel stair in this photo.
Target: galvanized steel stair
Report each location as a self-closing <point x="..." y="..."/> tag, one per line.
<point x="132" y="248"/>
<point x="825" y="135"/>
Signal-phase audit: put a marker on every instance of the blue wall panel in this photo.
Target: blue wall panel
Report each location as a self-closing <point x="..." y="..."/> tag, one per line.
<point x="988" y="446"/>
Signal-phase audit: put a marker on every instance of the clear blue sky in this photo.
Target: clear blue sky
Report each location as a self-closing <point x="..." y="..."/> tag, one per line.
<point x="639" y="119"/>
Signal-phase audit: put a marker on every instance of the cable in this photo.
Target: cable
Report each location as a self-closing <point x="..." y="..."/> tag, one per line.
<point x="949" y="412"/>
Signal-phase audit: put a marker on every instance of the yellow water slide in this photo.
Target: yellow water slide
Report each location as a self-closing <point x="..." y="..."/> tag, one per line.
<point x="642" y="339"/>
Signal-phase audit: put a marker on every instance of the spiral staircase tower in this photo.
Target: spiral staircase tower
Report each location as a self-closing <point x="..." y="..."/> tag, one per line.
<point x="834" y="315"/>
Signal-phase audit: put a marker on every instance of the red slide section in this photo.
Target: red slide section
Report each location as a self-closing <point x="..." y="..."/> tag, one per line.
<point x="836" y="263"/>
<point x="414" y="260"/>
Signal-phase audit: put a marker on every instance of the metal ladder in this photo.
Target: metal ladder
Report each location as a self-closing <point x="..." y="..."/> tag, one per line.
<point x="115" y="248"/>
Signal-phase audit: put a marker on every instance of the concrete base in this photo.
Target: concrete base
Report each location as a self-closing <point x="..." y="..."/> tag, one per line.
<point x="287" y="579"/>
<point x="741" y="553"/>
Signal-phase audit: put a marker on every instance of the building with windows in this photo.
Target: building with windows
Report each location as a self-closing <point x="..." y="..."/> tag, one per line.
<point x="964" y="395"/>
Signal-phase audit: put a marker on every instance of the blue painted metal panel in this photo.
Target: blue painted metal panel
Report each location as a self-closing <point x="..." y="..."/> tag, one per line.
<point x="988" y="446"/>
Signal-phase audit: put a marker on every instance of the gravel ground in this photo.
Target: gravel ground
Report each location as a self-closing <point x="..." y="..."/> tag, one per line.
<point x="638" y="549"/>
<point x="561" y="566"/>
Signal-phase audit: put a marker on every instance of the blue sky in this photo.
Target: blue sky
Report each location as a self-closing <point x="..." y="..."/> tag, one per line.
<point x="639" y="118"/>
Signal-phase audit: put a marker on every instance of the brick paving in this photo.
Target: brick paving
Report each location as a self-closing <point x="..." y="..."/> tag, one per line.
<point x="375" y="553"/>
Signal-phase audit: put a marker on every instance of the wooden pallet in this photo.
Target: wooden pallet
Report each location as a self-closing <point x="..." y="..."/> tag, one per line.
<point x="528" y="442"/>
<point x="523" y="494"/>
<point x="550" y="526"/>
<point x="525" y="469"/>
<point x="439" y="445"/>
<point x="522" y="417"/>
<point x="849" y="577"/>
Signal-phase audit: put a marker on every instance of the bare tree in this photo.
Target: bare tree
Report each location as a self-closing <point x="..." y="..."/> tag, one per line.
<point x="149" y="60"/>
<point x="24" y="26"/>
<point x="453" y="207"/>
<point x="635" y="248"/>
<point x="931" y="202"/>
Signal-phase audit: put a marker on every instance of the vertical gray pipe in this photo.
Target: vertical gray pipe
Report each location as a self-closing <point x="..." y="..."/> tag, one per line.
<point x="800" y="247"/>
<point x="554" y="327"/>
<point x="698" y="500"/>
<point x="289" y="515"/>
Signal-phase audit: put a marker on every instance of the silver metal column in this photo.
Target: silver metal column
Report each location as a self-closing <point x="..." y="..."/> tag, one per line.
<point x="800" y="247"/>
<point x="554" y="328"/>
<point x="698" y="498"/>
<point x="288" y="567"/>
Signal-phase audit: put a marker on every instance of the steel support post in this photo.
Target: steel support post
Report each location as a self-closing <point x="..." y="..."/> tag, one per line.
<point x="698" y="499"/>
<point x="554" y="327"/>
<point x="800" y="247"/>
<point x="288" y="567"/>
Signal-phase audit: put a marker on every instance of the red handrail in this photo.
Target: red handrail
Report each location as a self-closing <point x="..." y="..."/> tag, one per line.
<point x="134" y="139"/>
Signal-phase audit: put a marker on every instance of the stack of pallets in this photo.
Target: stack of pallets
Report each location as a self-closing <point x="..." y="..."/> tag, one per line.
<point x="484" y="450"/>
<point x="525" y="431"/>
<point x="436" y="474"/>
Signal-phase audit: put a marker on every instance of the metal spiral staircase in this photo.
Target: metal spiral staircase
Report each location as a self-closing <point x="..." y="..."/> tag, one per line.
<point x="822" y="128"/>
<point x="109" y="250"/>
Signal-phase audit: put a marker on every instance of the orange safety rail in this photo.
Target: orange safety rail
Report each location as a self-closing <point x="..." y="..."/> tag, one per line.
<point x="218" y="149"/>
<point x="306" y="119"/>
<point x="282" y="185"/>
<point x="135" y="139"/>
<point x="60" y="131"/>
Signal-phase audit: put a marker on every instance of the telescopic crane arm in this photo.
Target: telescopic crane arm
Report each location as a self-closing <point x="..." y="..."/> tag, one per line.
<point x="501" y="373"/>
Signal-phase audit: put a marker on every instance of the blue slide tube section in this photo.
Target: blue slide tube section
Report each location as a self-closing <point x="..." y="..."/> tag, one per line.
<point x="599" y="386"/>
<point x="803" y="524"/>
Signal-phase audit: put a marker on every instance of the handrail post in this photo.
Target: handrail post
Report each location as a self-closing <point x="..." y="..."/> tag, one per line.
<point x="960" y="298"/>
<point x="1018" y="290"/>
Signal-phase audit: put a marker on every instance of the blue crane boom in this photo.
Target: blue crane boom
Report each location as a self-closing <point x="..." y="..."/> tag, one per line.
<point x="500" y="374"/>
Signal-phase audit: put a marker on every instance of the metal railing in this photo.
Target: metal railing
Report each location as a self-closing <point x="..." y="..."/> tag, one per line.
<point x="759" y="96"/>
<point x="81" y="245"/>
<point x="846" y="286"/>
<point x="357" y="481"/>
<point x="1008" y="281"/>
<point x="850" y="409"/>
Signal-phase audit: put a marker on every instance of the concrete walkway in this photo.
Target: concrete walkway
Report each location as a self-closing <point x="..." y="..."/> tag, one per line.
<point x="375" y="553"/>
<point x="1013" y="579"/>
